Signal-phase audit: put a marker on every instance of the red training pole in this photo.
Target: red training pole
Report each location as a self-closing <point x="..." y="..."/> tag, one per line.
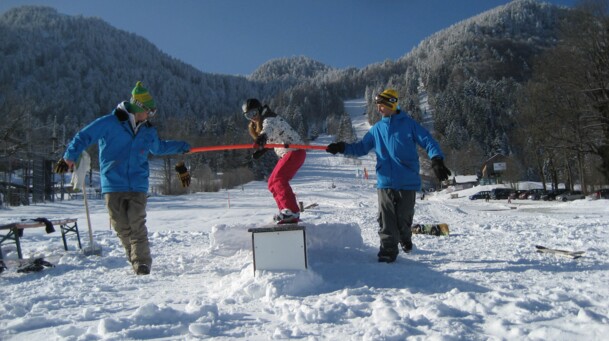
<point x="214" y="148"/>
<point x="250" y="146"/>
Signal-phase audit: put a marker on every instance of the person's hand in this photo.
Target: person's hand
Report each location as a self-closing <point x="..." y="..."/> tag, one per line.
<point x="261" y="140"/>
<point x="183" y="174"/>
<point x="337" y="147"/>
<point x="258" y="154"/>
<point x="63" y="166"/>
<point x="437" y="164"/>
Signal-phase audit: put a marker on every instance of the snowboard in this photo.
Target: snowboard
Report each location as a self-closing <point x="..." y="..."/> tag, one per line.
<point x="288" y="222"/>
<point x="432" y="229"/>
<point x="565" y="253"/>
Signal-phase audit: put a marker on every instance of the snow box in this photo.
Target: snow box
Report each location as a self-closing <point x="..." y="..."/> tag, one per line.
<point x="279" y="247"/>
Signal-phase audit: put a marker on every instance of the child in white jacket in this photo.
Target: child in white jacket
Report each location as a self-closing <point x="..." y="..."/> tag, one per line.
<point x="266" y="127"/>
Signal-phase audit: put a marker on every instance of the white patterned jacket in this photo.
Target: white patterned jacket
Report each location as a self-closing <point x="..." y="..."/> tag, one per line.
<point x="279" y="131"/>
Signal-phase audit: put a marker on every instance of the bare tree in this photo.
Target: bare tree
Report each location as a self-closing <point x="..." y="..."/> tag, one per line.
<point x="586" y="62"/>
<point x="564" y="109"/>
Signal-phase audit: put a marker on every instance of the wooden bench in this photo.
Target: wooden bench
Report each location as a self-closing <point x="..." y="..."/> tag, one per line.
<point x="66" y="225"/>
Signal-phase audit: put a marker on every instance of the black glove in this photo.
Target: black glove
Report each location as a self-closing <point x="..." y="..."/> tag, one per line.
<point x="261" y="140"/>
<point x="61" y="167"/>
<point x="49" y="228"/>
<point x="437" y="164"/>
<point x="183" y="174"/>
<point x="338" y="147"/>
<point x="258" y="154"/>
<point x="35" y="265"/>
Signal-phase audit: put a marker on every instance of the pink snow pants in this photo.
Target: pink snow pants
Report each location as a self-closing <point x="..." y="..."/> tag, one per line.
<point x="279" y="179"/>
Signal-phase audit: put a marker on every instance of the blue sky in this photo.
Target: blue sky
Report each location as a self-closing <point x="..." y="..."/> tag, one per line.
<point x="237" y="36"/>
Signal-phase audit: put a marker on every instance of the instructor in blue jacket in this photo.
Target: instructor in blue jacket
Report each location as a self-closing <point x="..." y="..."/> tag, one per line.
<point x="125" y="138"/>
<point x="394" y="139"/>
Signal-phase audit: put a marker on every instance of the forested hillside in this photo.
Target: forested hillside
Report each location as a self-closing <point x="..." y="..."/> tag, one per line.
<point x="59" y="72"/>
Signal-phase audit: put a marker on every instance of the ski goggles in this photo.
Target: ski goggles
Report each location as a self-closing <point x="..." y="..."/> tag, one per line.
<point x="151" y="112"/>
<point x="250" y="114"/>
<point x="390" y="102"/>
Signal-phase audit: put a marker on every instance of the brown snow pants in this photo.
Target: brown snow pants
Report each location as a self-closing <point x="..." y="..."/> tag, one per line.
<point x="128" y="217"/>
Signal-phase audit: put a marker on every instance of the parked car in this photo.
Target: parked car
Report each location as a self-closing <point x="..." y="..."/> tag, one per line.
<point x="551" y="195"/>
<point x="480" y="195"/>
<point x="602" y="194"/>
<point x="501" y="193"/>
<point x="515" y="194"/>
<point x="535" y="194"/>
<point x="523" y="195"/>
<point x="570" y="195"/>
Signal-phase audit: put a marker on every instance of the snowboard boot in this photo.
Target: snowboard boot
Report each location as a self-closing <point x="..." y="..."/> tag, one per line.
<point x="386" y="259"/>
<point x="142" y="269"/>
<point x="406" y="245"/>
<point x="387" y="255"/>
<point x="286" y="216"/>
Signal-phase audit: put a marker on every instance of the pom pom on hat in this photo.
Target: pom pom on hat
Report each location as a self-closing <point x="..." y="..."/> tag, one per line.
<point x="142" y="99"/>
<point x="388" y="98"/>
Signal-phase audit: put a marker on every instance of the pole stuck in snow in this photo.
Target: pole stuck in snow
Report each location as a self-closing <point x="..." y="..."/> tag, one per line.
<point x="78" y="181"/>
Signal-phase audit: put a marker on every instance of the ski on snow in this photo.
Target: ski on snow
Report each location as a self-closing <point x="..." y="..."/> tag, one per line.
<point x="571" y="254"/>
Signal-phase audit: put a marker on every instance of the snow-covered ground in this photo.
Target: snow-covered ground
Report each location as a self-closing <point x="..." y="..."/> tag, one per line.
<point x="484" y="281"/>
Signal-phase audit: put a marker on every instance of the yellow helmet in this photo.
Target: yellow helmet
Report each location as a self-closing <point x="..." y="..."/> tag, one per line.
<point x="388" y="98"/>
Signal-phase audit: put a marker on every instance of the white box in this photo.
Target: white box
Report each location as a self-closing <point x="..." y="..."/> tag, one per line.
<point x="279" y="248"/>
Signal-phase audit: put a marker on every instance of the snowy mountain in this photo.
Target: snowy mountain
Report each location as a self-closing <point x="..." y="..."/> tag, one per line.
<point x="75" y="68"/>
<point x="483" y="281"/>
<point x="72" y="64"/>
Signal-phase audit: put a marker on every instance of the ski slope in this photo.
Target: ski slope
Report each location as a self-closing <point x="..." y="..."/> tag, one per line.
<point x="484" y="281"/>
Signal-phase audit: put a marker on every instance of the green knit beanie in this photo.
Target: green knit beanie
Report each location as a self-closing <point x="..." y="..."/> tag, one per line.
<point x="141" y="98"/>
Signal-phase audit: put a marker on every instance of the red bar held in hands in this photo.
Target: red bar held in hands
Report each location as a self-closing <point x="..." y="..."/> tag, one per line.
<point x="250" y="146"/>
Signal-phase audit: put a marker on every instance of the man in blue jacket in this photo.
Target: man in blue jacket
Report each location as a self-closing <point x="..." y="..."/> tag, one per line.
<point x="394" y="139"/>
<point x="125" y="138"/>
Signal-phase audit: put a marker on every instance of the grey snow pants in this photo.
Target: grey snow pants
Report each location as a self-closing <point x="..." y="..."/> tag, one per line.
<point x="395" y="214"/>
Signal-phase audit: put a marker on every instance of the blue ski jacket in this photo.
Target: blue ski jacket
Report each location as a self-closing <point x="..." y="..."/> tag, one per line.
<point x="395" y="139"/>
<point x="123" y="152"/>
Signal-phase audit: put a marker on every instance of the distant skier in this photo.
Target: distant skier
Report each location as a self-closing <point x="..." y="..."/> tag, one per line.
<point x="266" y="127"/>
<point x="395" y="138"/>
